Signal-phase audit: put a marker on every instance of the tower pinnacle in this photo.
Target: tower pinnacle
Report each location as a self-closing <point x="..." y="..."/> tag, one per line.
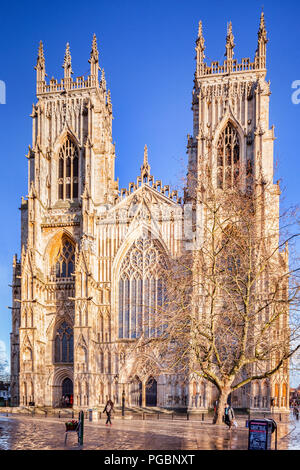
<point x="200" y="47"/>
<point x="40" y="67"/>
<point x="229" y="43"/>
<point x="94" y="60"/>
<point x="67" y="65"/>
<point x="145" y="168"/>
<point x="260" y="56"/>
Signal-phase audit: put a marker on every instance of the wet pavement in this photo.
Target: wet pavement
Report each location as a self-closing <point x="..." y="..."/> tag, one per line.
<point x="33" y="433"/>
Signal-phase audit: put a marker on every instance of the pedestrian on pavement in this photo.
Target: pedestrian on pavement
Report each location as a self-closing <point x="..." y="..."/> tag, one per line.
<point x="228" y="416"/>
<point x="215" y="412"/>
<point x="109" y="407"/>
<point x="296" y="409"/>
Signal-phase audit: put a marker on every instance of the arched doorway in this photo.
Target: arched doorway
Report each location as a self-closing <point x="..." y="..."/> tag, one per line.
<point x="67" y="393"/>
<point x="151" y="392"/>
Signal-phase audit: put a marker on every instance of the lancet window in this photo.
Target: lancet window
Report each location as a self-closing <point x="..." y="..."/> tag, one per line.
<point x="68" y="171"/>
<point x="141" y="289"/>
<point x="228" y="157"/>
<point x="65" y="259"/>
<point x="64" y="343"/>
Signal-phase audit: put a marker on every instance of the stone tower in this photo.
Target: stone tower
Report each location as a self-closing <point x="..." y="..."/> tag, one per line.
<point x="70" y="181"/>
<point x="231" y="114"/>
<point x="71" y="321"/>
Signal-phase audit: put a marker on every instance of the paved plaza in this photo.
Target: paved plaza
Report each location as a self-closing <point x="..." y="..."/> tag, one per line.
<point x="35" y="433"/>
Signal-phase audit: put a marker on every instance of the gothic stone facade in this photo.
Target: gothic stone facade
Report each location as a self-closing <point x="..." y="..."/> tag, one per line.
<point x="85" y="244"/>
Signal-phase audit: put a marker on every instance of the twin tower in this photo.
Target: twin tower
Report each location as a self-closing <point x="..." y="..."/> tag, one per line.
<point x="87" y="275"/>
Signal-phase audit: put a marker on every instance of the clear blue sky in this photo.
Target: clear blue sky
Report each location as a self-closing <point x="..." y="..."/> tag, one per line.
<point x="147" y="51"/>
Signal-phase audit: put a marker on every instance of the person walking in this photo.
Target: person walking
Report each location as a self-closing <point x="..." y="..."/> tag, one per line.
<point x="228" y="416"/>
<point x="108" y="410"/>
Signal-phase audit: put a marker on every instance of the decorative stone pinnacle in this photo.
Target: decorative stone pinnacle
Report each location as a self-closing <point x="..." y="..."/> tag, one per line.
<point x="94" y="51"/>
<point x="262" y="20"/>
<point x="40" y="68"/>
<point x="262" y="33"/>
<point x="67" y="65"/>
<point x="200" y="40"/>
<point x="40" y="63"/>
<point x="41" y="57"/>
<point x="145" y="155"/>
<point x="108" y="97"/>
<point x="229" y="42"/>
<point x="145" y="168"/>
<point x="200" y="29"/>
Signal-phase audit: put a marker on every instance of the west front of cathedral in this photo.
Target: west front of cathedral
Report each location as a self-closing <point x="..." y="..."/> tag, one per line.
<point x="92" y="254"/>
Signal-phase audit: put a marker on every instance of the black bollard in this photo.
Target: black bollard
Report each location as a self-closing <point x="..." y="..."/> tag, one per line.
<point x="81" y="427"/>
<point x="202" y="416"/>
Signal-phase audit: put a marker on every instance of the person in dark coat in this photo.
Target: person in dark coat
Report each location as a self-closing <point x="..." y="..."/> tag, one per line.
<point x="228" y="416"/>
<point x="108" y="410"/>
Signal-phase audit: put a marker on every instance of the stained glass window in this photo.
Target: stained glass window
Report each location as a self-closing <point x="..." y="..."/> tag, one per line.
<point x="64" y="344"/>
<point x="65" y="260"/>
<point x="141" y="289"/>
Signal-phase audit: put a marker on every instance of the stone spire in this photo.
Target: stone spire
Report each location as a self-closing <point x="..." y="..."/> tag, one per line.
<point x="200" y="47"/>
<point x="94" y="60"/>
<point x="40" y="68"/>
<point x="229" y="43"/>
<point x="145" y="168"/>
<point x="260" y="56"/>
<point x="67" y="65"/>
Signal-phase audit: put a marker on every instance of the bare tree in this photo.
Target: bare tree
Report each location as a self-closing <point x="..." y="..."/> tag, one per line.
<point x="231" y="309"/>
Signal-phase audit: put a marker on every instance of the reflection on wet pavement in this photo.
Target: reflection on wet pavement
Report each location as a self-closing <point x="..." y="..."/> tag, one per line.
<point x="22" y="432"/>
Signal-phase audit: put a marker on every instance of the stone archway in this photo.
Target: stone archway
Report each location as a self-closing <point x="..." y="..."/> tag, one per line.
<point x="62" y="386"/>
<point x="67" y="392"/>
<point x="151" y="392"/>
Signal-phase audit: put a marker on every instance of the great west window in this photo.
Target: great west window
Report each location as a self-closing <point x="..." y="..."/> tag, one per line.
<point x="141" y="289"/>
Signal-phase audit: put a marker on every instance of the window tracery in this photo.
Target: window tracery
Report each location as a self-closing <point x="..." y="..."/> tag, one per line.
<point x="141" y="289"/>
<point x="64" y="343"/>
<point x="65" y="259"/>
<point x="228" y="157"/>
<point x="68" y="171"/>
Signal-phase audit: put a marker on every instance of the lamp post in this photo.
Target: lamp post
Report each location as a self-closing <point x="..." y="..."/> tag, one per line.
<point x="116" y="377"/>
<point x="123" y="401"/>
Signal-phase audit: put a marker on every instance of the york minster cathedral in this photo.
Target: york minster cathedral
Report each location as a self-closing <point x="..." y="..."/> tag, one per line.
<point x="91" y="256"/>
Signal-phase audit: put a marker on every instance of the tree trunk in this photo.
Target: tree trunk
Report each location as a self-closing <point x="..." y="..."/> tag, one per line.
<point x="222" y="400"/>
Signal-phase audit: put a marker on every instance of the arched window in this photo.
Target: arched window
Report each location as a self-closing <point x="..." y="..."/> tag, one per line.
<point x="65" y="259"/>
<point x="64" y="343"/>
<point x="228" y="157"/>
<point x="141" y="289"/>
<point x="68" y="171"/>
